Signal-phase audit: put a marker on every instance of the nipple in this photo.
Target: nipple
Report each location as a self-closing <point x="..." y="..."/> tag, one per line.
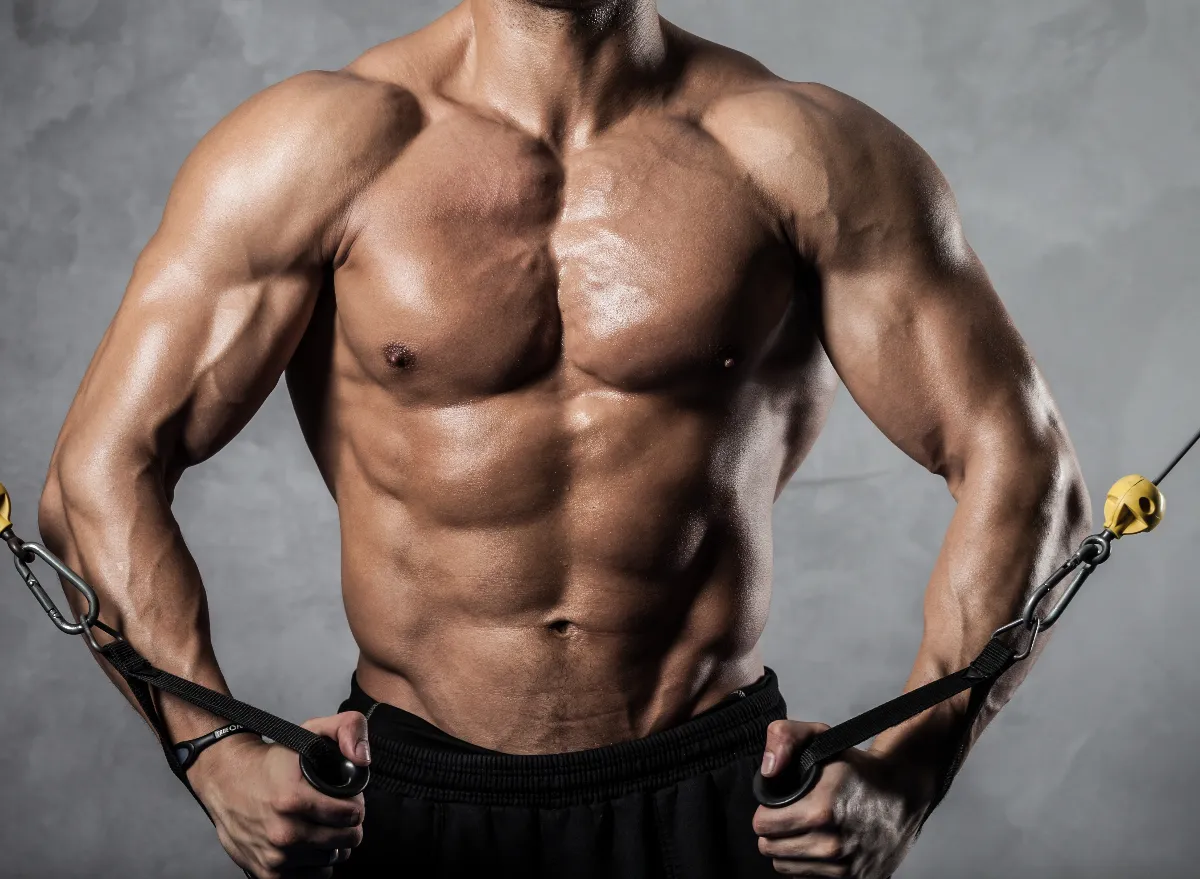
<point x="398" y="356"/>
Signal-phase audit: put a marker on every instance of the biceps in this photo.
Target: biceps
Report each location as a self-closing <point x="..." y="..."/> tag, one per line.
<point x="936" y="363"/>
<point x="190" y="356"/>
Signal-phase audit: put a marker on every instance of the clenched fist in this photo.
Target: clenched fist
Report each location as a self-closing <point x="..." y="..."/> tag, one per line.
<point x="858" y="822"/>
<point x="269" y="819"/>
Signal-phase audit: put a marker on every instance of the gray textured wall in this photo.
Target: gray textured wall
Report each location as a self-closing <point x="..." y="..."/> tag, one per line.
<point x="1069" y="130"/>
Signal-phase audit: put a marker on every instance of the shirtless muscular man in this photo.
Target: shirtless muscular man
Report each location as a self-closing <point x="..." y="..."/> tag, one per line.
<point x="561" y="294"/>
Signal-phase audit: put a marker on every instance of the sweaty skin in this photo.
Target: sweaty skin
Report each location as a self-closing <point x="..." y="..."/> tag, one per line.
<point x="562" y="295"/>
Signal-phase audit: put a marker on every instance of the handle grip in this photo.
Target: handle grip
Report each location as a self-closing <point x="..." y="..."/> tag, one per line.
<point x="791" y="784"/>
<point x="333" y="774"/>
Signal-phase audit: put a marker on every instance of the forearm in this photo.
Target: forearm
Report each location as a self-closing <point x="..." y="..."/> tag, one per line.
<point x="111" y="521"/>
<point x="1021" y="509"/>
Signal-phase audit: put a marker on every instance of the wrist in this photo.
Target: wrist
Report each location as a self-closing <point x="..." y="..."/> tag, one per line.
<point x="189" y="750"/>
<point x="213" y="763"/>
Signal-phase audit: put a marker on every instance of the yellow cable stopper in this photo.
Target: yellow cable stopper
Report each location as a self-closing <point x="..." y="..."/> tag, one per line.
<point x="1134" y="504"/>
<point x="5" y="509"/>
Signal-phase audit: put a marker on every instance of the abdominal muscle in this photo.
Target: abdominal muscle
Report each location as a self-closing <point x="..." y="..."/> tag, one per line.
<point x="540" y="576"/>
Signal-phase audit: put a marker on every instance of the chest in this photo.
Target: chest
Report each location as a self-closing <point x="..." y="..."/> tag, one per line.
<point x="481" y="261"/>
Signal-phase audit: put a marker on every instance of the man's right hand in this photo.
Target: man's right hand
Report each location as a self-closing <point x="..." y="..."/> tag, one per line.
<point x="268" y="818"/>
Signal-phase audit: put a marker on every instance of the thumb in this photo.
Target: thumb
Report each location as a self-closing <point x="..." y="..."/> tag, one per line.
<point x="785" y="738"/>
<point x="349" y="730"/>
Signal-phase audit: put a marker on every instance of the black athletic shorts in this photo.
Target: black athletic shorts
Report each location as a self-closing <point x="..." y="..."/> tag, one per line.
<point x="674" y="805"/>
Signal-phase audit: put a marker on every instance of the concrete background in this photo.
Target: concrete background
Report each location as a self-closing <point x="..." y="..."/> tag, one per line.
<point x="1069" y="131"/>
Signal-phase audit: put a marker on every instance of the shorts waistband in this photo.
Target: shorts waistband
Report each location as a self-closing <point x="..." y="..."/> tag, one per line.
<point x="731" y="730"/>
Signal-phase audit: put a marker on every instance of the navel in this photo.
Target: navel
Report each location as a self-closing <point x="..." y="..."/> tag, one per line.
<point x="728" y="357"/>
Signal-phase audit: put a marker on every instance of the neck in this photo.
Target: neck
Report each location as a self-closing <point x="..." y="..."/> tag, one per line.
<point x="562" y="69"/>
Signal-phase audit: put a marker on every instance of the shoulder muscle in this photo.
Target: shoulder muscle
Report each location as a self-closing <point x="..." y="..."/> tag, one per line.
<point x="278" y="174"/>
<point x="850" y="187"/>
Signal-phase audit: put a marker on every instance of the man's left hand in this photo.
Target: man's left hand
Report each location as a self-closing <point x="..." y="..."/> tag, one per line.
<point x="858" y="822"/>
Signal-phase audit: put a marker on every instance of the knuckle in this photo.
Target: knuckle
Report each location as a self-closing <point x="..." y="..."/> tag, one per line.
<point x="822" y="814"/>
<point x="351" y="814"/>
<point x="828" y="848"/>
<point x="273" y="859"/>
<point x="286" y="801"/>
<point x="794" y="730"/>
<point x="281" y="835"/>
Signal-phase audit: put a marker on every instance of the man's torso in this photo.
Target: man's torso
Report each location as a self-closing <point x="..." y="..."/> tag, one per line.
<point x="555" y="391"/>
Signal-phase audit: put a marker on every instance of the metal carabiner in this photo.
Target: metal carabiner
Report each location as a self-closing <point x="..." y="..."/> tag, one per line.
<point x="1034" y="628"/>
<point x="1093" y="551"/>
<point x="84" y="624"/>
<point x="24" y="553"/>
<point x="1029" y="614"/>
<point x="1051" y="618"/>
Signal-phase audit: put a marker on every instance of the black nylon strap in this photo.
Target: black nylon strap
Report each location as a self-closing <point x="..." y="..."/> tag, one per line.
<point x="141" y="692"/>
<point x="135" y="668"/>
<point x="800" y="774"/>
<point x="140" y="676"/>
<point x="145" y="700"/>
<point x="979" y="694"/>
<point x="992" y="661"/>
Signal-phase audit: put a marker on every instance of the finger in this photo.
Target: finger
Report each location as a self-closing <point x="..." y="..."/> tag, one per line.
<point x="323" y="869"/>
<point x="332" y="839"/>
<point x="349" y="730"/>
<point x="306" y="862"/>
<point x="301" y="842"/>
<point x="309" y="805"/>
<point x="809" y="868"/>
<point x="317" y="856"/>
<point x="289" y="844"/>
<point x="274" y="869"/>
<point x="813" y="813"/>
<point x="807" y="846"/>
<point x="783" y="738"/>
